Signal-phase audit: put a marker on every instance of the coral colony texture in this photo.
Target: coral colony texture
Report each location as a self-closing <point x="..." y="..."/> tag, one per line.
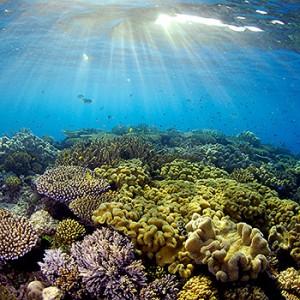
<point x="148" y="214"/>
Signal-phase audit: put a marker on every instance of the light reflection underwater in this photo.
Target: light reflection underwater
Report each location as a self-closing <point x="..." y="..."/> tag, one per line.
<point x="229" y="66"/>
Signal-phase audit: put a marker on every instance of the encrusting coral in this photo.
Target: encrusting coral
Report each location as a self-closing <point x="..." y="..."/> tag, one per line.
<point x="17" y="236"/>
<point x="43" y="223"/>
<point x="231" y="251"/>
<point x="67" y="183"/>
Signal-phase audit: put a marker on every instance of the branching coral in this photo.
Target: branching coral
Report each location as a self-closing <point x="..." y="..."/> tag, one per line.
<point x="107" y="266"/>
<point x="83" y="207"/>
<point x="165" y="288"/>
<point x="67" y="183"/>
<point x="68" y="231"/>
<point x="17" y="237"/>
<point x="106" y="151"/>
<point x="231" y="251"/>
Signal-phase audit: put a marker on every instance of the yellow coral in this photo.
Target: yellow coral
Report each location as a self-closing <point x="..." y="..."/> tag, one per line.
<point x="68" y="231"/>
<point x="231" y="251"/>
<point x="198" y="288"/>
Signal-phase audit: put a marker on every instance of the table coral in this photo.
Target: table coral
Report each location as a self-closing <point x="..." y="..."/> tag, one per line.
<point x="231" y="251"/>
<point x="67" y="183"/>
<point x="17" y="236"/>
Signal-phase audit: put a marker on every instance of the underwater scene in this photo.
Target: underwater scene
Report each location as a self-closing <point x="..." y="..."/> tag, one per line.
<point x="149" y="150"/>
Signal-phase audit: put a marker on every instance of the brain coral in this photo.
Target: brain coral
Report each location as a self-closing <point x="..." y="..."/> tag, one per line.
<point x="17" y="237"/>
<point x="231" y="251"/>
<point x="67" y="183"/>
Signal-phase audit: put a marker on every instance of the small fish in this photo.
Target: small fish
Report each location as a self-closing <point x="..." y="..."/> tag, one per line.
<point x="80" y="96"/>
<point x="130" y="129"/>
<point x="88" y="176"/>
<point x="80" y="157"/>
<point x="110" y="117"/>
<point x="87" y="101"/>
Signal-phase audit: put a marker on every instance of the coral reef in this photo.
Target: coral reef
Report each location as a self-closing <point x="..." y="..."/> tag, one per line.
<point x="24" y="153"/>
<point x="198" y="287"/>
<point x="249" y="292"/>
<point x="84" y="207"/>
<point x="165" y="288"/>
<point x="67" y="183"/>
<point x="106" y="151"/>
<point x="231" y="251"/>
<point x="68" y="231"/>
<point x="128" y="177"/>
<point x="43" y="223"/>
<point x="106" y="264"/>
<point x="17" y="237"/>
<point x="185" y="170"/>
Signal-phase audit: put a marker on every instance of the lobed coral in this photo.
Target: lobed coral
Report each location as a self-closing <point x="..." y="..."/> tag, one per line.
<point x="231" y="251"/>
<point x="284" y="241"/>
<point x="67" y="183"/>
<point x="289" y="281"/>
<point x="17" y="237"/>
<point x="185" y="170"/>
<point x="129" y="177"/>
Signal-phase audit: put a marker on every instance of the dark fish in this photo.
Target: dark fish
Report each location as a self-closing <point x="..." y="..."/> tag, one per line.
<point x="80" y="96"/>
<point x="87" y="101"/>
<point x="110" y="117"/>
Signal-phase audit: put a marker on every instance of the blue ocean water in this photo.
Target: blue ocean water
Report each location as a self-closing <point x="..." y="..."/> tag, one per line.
<point x="226" y="65"/>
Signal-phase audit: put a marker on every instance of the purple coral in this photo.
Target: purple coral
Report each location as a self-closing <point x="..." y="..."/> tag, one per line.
<point x="165" y="288"/>
<point x="107" y="266"/>
<point x="67" y="183"/>
<point x="53" y="261"/>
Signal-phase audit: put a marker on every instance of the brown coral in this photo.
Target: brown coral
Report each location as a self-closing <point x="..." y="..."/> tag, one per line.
<point x="83" y="207"/>
<point x="17" y="237"/>
<point x="231" y="251"/>
<point x="67" y="183"/>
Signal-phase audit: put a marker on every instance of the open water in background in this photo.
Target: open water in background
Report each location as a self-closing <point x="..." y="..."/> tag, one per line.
<point x="226" y="65"/>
